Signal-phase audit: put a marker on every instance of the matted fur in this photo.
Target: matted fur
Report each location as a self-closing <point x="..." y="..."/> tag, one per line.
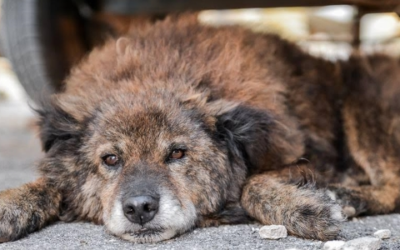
<point x="269" y="133"/>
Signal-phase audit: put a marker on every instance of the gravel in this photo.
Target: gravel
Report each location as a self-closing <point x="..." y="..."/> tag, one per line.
<point x="364" y="243"/>
<point x="273" y="232"/>
<point x="383" y="234"/>
<point x="334" y="245"/>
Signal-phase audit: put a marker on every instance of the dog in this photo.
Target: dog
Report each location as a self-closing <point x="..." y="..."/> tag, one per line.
<point x="179" y="125"/>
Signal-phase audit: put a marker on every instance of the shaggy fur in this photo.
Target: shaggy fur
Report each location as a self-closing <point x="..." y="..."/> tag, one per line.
<point x="213" y="126"/>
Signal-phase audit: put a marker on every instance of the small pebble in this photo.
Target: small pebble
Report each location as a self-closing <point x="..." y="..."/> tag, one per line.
<point x="383" y="234"/>
<point x="318" y="244"/>
<point x="364" y="243"/>
<point x="273" y="232"/>
<point x="333" y="245"/>
<point x="349" y="211"/>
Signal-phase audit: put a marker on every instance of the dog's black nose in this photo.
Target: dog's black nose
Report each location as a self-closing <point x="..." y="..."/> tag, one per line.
<point x="140" y="209"/>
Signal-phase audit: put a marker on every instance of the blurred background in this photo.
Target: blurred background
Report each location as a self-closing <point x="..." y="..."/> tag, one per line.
<point x="42" y="39"/>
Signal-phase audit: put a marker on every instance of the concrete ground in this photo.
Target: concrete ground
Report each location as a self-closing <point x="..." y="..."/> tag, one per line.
<point x="20" y="149"/>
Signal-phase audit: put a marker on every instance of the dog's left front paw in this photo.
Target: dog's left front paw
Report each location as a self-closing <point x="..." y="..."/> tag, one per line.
<point x="304" y="210"/>
<point x="308" y="213"/>
<point x="312" y="214"/>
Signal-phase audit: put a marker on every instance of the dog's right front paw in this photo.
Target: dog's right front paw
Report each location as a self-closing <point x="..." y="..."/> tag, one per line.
<point x="26" y="209"/>
<point x="15" y="223"/>
<point x="9" y="222"/>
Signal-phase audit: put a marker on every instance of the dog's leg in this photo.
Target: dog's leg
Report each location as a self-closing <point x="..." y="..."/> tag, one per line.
<point x="373" y="138"/>
<point x="370" y="114"/>
<point x="28" y="208"/>
<point x="272" y="198"/>
<point x="366" y="199"/>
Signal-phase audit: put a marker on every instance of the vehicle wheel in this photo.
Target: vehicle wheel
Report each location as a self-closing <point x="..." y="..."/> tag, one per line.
<point x="42" y="39"/>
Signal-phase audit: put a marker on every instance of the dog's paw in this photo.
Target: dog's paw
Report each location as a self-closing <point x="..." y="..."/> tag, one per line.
<point x="16" y="219"/>
<point x="10" y="221"/>
<point x="304" y="210"/>
<point x="313" y="214"/>
<point x="350" y="200"/>
<point x="24" y="210"/>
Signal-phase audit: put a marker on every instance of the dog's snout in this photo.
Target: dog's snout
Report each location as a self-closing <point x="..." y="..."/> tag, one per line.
<point x="140" y="209"/>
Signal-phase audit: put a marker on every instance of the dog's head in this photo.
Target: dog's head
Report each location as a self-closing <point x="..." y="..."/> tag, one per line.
<point x="137" y="147"/>
<point x="151" y="167"/>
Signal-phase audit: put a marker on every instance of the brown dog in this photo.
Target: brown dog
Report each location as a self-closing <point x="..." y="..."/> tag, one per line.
<point x="180" y="125"/>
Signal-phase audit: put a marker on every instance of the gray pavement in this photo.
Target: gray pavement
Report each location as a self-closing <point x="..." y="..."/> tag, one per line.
<point x="20" y="149"/>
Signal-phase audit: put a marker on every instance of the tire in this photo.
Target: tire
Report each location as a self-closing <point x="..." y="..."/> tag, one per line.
<point x="31" y="39"/>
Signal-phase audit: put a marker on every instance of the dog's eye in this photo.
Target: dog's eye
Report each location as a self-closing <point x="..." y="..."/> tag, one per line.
<point x="110" y="160"/>
<point x="176" y="154"/>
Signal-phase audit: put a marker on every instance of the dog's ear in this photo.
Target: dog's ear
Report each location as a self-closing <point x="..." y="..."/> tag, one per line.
<point x="257" y="137"/>
<point x="55" y="125"/>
